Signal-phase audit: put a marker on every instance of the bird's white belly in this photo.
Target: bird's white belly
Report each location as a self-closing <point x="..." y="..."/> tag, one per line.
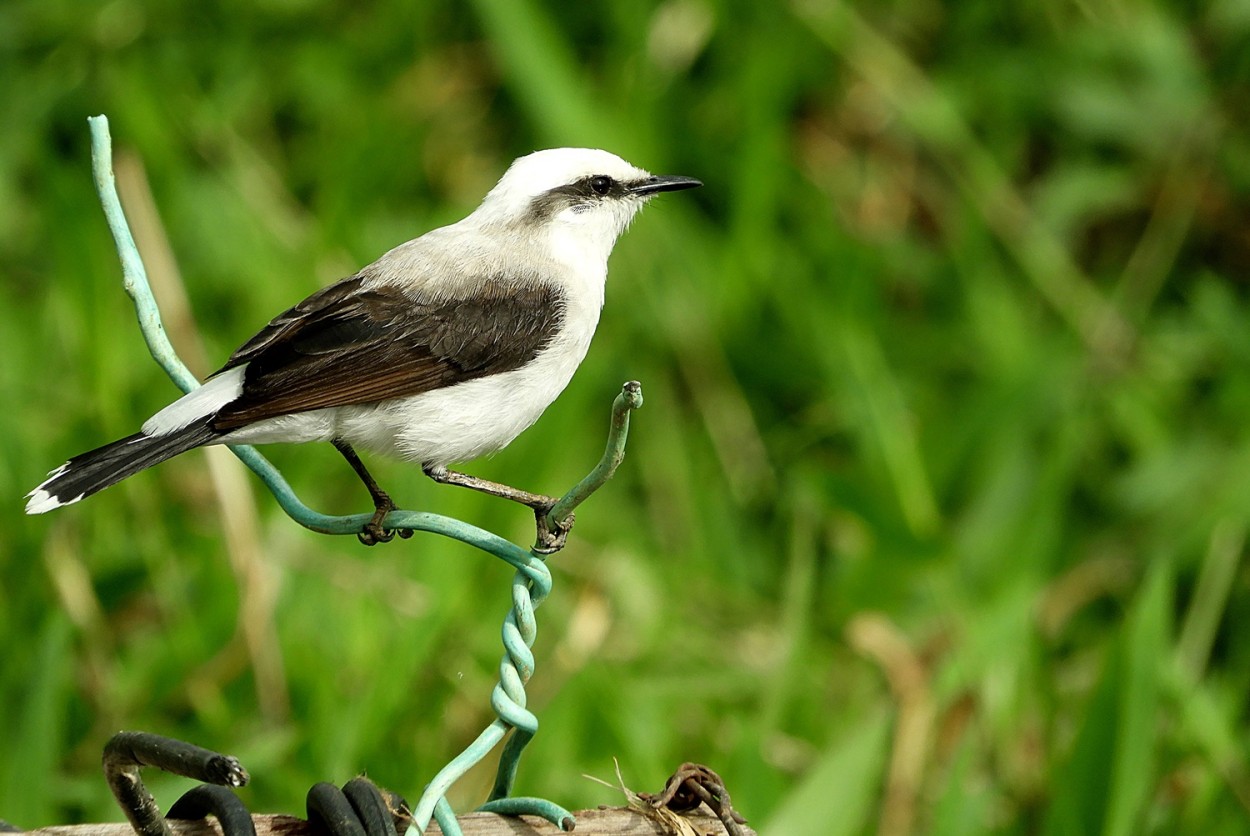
<point x="465" y="421"/>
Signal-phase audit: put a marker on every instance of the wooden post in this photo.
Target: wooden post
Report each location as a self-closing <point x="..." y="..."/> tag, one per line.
<point x="611" y="821"/>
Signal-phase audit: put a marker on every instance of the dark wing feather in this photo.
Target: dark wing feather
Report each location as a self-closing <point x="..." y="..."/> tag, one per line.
<point x="329" y="303"/>
<point x="347" y="345"/>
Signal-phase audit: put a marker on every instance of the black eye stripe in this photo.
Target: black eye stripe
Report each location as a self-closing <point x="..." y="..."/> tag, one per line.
<point x="582" y="192"/>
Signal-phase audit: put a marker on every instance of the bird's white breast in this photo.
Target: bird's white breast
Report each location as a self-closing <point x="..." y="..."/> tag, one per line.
<point x="479" y="417"/>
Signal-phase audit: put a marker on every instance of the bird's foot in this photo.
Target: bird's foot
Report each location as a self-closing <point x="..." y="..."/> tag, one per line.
<point x="550" y="537"/>
<point x="373" y="532"/>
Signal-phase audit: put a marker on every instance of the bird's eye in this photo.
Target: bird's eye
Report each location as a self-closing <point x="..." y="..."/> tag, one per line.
<point x="601" y="184"/>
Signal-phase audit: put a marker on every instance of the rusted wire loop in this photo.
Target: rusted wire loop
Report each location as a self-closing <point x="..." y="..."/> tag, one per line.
<point x="694" y="784"/>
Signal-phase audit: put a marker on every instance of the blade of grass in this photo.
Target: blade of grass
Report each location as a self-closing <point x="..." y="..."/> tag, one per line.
<point x="836" y="796"/>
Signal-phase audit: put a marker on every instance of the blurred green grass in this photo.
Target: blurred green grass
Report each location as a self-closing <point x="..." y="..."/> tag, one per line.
<point x="933" y="520"/>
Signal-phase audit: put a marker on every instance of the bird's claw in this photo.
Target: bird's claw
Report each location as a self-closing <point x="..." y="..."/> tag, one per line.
<point x="373" y="532"/>
<point x="549" y="539"/>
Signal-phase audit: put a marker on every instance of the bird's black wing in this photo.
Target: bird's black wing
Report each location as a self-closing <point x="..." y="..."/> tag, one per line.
<point x="348" y="344"/>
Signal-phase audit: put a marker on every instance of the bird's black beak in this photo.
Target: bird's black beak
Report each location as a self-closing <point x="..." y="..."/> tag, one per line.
<point x="663" y="183"/>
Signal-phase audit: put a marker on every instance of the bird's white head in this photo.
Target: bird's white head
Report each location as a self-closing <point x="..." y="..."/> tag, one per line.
<point x="581" y="195"/>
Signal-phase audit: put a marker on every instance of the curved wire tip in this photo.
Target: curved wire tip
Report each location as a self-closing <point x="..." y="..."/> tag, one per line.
<point x="561" y="514"/>
<point x="631" y="392"/>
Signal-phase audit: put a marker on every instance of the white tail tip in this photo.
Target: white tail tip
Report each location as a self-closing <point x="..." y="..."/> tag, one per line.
<point x="41" y="502"/>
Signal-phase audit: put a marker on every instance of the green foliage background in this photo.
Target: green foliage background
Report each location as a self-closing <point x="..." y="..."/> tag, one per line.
<point x="934" y="519"/>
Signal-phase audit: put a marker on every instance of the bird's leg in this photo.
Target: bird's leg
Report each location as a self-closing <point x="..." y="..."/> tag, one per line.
<point x="373" y="531"/>
<point x="549" y="540"/>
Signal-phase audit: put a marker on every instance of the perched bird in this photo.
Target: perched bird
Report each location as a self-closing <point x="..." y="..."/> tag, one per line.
<point x="441" y="351"/>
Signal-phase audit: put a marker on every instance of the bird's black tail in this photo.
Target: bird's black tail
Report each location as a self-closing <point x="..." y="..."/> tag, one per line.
<point x="97" y="469"/>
